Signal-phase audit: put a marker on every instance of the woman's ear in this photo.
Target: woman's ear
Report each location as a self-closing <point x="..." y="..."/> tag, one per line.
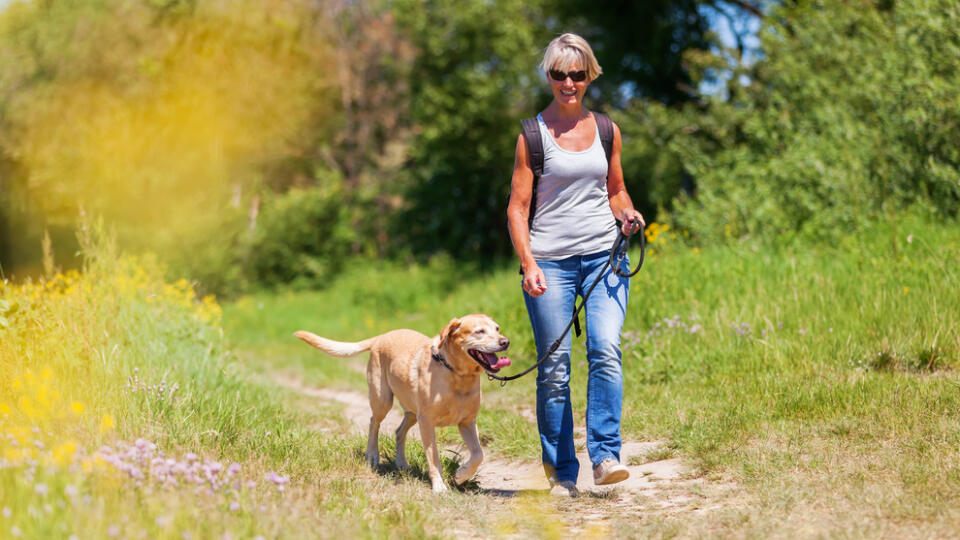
<point x="450" y="328"/>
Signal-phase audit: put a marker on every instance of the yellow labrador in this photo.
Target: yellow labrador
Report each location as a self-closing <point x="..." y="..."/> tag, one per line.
<point x="437" y="381"/>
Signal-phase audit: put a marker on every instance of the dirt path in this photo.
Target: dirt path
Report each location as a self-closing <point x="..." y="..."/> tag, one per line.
<point x="665" y="486"/>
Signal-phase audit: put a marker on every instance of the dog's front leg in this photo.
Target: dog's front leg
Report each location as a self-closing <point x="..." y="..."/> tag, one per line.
<point x="466" y="471"/>
<point x="429" y="436"/>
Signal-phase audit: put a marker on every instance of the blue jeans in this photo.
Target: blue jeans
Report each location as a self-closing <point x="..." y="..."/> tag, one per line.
<point x="549" y="315"/>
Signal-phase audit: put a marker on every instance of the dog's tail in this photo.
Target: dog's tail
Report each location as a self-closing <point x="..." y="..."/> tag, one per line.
<point x="338" y="349"/>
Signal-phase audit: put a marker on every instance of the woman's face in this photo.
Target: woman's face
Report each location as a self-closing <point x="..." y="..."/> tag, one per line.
<point x="568" y="91"/>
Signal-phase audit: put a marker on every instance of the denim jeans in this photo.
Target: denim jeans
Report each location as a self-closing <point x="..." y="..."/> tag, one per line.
<point x="549" y="314"/>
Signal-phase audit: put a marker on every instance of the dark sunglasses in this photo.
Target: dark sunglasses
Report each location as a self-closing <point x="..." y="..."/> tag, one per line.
<point x="575" y="76"/>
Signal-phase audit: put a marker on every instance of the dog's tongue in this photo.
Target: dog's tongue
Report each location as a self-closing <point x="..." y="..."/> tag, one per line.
<point x="502" y="362"/>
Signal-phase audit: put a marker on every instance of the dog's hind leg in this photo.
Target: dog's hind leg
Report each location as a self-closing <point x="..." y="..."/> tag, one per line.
<point x="466" y="471"/>
<point x="381" y="400"/>
<point x="409" y="419"/>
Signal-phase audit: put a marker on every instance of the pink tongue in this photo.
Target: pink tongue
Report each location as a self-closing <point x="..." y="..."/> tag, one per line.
<point x="502" y="362"/>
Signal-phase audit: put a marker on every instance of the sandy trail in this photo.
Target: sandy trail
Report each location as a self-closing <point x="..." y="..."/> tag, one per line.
<point x="667" y="485"/>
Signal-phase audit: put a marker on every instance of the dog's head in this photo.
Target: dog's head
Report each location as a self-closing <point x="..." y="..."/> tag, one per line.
<point x="470" y="343"/>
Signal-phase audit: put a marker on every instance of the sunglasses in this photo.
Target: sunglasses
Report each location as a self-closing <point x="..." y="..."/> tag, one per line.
<point x="575" y="76"/>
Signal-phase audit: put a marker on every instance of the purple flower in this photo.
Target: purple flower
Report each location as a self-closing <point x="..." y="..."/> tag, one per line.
<point x="277" y="479"/>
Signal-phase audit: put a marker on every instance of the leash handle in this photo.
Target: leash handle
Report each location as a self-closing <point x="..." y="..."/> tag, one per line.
<point x="619" y="252"/>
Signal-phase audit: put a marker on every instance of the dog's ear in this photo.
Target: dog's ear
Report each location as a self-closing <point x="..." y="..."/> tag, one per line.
<point x="450" y="328"/>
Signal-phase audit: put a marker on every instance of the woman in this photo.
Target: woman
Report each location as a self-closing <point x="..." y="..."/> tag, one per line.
<point x="578" y="197"/>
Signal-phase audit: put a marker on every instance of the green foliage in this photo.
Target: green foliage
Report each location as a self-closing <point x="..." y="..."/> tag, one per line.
<point x="297" y="239"/>
<point x="473" y="79"/>
<point x="640" y="45"/>
<point x="846" y="118"/>
<point x="303" y="237"/>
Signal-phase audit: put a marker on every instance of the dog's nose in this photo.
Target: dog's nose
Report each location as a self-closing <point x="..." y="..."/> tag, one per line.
<point x="504" y="342"/>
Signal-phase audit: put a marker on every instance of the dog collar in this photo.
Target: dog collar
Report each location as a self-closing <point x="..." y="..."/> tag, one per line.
<point x="435" y="354"/>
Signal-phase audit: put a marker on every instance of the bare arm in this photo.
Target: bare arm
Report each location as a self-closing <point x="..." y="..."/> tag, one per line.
<point x="518" y="212"/>
<point x="620" y="203"/>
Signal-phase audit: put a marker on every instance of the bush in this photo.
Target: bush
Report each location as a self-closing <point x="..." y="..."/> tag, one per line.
<point x="846" y="119"/>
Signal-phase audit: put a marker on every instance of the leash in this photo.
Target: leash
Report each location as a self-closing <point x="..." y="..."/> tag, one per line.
<point x="617" y="255"/>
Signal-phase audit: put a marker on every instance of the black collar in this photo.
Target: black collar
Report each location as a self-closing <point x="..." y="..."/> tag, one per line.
<point x="435" y="354"/>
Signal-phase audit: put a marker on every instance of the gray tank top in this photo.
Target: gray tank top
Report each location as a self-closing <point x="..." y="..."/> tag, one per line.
<point x="573" y="214"/>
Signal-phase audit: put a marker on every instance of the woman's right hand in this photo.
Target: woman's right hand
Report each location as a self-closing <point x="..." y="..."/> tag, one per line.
<point x="534" y="282"/>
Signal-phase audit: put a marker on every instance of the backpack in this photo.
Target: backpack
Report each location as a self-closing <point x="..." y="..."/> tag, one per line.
<point x="531" y="132"/>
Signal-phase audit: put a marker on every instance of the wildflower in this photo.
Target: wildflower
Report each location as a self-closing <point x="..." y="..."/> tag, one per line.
<point x="695" y="328"/>
<point x="234" y="506"/>
<point x="71" y="490"/>
<point x="41" y="489"/>
<point x="106" y="423"/>
<point x="7" y="512"/>
<point x="113" y="531"/>
<point x="77" y="407"/>
<point x="15" y="531"/>
<point x="802" y="331"/>
<point x="277" y="479"/>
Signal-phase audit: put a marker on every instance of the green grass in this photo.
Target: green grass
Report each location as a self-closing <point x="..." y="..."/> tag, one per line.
<point x="807" y="373"/>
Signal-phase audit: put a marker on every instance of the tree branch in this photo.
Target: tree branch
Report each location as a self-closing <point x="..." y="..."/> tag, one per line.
<point x="747" y="6"/>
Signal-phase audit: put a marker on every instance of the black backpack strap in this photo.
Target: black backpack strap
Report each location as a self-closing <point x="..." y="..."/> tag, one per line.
<point x="531" y="132"/>
<point x="605" y="127"/>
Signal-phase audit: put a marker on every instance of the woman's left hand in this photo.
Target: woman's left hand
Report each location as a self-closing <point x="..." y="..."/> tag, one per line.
<point x="631" y="221"/>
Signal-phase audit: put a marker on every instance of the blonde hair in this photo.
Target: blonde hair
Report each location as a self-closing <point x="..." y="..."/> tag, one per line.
<point x="567" y="49"/>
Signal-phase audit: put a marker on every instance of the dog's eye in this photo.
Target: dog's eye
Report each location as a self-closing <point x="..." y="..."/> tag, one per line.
<point x="480" y="331"/>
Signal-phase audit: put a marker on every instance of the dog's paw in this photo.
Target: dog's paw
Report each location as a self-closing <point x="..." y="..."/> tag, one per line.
<point x="402" y="464"/>
<point x="462" y="475"/>
<point x="439" y="487"/>
<point x="373" y="460"/>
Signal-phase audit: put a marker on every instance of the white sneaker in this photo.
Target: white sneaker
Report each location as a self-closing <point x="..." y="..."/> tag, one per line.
<point x="567" y="488"/>
<point x="609" y="471"/>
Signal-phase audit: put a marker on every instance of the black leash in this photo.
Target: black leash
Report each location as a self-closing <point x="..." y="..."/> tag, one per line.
<point x="617" y="256"/>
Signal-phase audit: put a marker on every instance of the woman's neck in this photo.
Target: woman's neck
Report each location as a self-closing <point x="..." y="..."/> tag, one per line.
<point x="570" y="113"/>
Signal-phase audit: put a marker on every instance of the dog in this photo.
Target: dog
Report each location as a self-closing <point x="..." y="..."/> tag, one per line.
<point x="437" y="381"/>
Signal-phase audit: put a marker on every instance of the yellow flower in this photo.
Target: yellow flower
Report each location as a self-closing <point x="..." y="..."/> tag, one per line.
<point x="63" y="454"/>
<point x="106" y="423"/>
<point x="906" y="290"/>
<point x="77" y="407"/>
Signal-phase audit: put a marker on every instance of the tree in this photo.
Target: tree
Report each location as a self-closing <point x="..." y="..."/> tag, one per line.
<point x="474" y="77"/>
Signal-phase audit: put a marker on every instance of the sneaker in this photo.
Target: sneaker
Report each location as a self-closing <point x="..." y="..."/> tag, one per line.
<point x="566" y="488"/>
<point x="609" y="471"/>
